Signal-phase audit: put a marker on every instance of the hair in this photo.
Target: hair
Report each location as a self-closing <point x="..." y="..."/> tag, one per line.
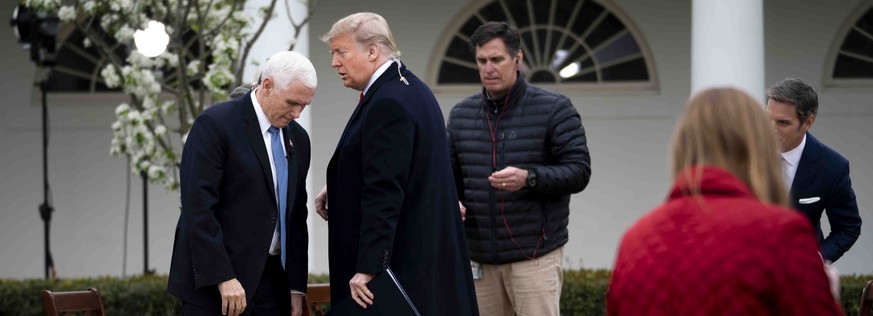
<point x="239" y="91"/>
<point x="285" y="67"/>
<point x="798" y="93"/>
<point x="727" y="128"/>
<point x="491" y="30"/>
<point x="368" y="29"/>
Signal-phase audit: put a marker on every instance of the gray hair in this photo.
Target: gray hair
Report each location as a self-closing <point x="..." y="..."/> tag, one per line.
<point x="239" y="91"/>
<point x="286" y="67"/>
<point x="368" y="28"/>
<point x="798" y="93"/>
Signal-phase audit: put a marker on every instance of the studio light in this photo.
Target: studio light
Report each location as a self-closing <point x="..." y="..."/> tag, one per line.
<point x="37" y="33"/>
<point x="152" y="41"/>
<point x="569" y="71"/>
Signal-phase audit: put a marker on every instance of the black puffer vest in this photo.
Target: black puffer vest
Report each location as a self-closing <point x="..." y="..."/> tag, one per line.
<point x="537" y="130"/>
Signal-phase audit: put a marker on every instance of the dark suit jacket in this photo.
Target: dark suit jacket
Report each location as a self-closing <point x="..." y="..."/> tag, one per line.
<point x="229" y="207"/>
<point x="824" y="174"/>
<point x="393" y="202"/>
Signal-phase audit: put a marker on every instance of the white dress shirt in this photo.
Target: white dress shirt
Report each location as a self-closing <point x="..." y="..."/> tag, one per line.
<point x="378" y="73"/>
<point x="790" y="160"/>
<point x="264" y="123"/>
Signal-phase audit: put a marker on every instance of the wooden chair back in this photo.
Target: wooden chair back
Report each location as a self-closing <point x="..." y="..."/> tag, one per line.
<point x="316" y="296"/>
<point x="66" y="303"/>
<point x="867" y="299"/>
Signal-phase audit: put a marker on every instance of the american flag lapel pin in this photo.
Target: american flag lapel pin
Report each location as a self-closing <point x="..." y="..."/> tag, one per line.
<point x="291" y="142"/>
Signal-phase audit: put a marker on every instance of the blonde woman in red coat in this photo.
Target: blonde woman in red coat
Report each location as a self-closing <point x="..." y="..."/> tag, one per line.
<point x="724" y="241"/>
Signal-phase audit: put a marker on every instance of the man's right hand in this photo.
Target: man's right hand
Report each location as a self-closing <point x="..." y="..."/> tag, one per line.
<point x="233" y="297"/>
<point x="321" y="203"/>
<point x="463" y="211"/>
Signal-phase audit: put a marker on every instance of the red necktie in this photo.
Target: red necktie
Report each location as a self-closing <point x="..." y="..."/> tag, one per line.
<point x="361" y="98"/>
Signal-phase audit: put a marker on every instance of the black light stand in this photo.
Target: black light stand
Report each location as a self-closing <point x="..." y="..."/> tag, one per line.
<point x="145" y="224"/>
<point x="46" y="209"/>
<point x="37" y="32"/>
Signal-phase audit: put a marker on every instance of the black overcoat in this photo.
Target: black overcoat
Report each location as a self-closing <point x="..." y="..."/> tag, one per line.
<point x="392" y="199"/>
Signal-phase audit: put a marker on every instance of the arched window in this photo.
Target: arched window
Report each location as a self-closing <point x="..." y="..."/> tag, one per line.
<point x="78" y="67"/>
<point x="850" y="61"/>
<point x="565" y="42"/>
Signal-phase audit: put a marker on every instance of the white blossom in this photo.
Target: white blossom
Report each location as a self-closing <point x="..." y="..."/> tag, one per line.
<point x="134" y="116"/>
<point x="241" y="16"/>
<point x="86" y="42"/>
<point x="155" y="171"/>
<point x="110" y="76"/>
<point x="193" y="67"/>
<point x="67" y="14"/>
<point x="124" y="34"/>
<point x="122" y="109"/>
<point x="172" y="59"/>
<point x="42" y="4"/>
<point x="88" y="6"/>
<point x="160" y="130"/>
<point x="167" y="106"/>
<point x="107" y="20"/>
<point x="124" y="4"/>
<point x="115" y="147"/>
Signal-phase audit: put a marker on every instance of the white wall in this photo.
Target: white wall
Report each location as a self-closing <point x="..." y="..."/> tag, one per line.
<point x="628" y="135"/>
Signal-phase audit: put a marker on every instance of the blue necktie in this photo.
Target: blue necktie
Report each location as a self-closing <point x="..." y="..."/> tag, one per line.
<point x="281" y="165"/>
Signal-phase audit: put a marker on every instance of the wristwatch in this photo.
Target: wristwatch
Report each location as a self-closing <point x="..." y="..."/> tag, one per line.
<point x="531" y="178"/>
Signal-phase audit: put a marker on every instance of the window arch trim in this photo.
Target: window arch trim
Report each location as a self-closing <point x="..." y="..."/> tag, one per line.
<point x="473" y="8"/>
<point x="848" y="24"/>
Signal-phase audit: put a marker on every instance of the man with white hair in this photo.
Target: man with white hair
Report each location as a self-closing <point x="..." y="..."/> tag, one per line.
<point x="241" y="241"/>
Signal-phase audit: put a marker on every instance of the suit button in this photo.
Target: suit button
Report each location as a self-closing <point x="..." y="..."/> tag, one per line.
<point x="273" y="220"/>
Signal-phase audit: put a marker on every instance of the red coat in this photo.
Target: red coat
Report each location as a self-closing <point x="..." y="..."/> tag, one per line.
<point x="721" y="253"/>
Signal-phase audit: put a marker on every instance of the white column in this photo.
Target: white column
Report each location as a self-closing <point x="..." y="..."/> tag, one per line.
<point x="727" y="45"/>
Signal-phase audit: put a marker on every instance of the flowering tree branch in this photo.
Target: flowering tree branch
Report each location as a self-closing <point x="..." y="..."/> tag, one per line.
<point x="209" y="43"/>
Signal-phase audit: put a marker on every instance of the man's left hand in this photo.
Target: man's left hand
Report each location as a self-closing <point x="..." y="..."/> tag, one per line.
<point x="509" y="179"/>
<point x="360" y="293"/>
<point x="297" y="304"/>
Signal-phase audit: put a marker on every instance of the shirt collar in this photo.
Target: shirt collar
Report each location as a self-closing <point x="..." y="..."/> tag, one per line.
<point x="793" y="156"/>
<point x="263" y="122"/>
<point x="379" y="73"/>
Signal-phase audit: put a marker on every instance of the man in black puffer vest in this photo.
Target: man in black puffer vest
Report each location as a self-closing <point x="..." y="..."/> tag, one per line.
<point x="518" y="152"/>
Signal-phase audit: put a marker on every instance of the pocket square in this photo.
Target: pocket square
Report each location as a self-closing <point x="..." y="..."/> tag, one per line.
<point x="809" y="200"/>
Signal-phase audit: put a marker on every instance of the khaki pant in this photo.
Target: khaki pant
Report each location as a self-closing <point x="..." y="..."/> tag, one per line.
<point x="527" y="288"/>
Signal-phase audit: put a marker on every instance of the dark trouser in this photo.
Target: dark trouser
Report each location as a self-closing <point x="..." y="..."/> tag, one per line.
<point x="272" y="297"/>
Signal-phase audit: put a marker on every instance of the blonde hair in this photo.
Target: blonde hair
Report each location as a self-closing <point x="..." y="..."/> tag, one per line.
<point x="727" y="128"/>
<point x="368" y="29"/>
